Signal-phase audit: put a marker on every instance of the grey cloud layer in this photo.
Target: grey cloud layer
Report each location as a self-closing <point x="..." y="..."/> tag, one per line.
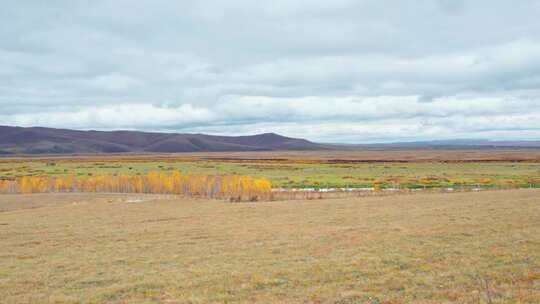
<point x="327" y="70"/>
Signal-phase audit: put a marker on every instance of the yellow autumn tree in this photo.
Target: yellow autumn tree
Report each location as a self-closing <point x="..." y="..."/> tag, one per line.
<point x="4" y="186"/>
<point x="209" y="186"/>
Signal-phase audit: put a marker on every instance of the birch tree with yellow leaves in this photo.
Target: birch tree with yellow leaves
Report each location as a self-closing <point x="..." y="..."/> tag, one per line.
<point x="205" y="186"/>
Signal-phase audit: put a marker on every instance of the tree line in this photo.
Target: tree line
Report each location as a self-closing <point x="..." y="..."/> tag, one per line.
<point x="233" y="187"/>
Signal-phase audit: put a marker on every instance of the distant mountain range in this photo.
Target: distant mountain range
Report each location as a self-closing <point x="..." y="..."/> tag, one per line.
<point x="37" y="140"/>
<point x="457" y="144"/>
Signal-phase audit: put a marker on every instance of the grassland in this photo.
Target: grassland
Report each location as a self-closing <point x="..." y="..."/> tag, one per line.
<point x="424" y="248"/>
<point x="408" y="169"/>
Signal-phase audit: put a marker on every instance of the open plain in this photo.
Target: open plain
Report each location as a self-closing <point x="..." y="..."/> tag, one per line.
<point x="479" y="247"/>
<point x="511" y="168"/>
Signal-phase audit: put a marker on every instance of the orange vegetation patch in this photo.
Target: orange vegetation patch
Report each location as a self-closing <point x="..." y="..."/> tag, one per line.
<point x="210" y="186"/>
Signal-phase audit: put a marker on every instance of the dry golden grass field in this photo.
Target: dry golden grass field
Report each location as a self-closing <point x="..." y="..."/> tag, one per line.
<point x="425" y="248"/>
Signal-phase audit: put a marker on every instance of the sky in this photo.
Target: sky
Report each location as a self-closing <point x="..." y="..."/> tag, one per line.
<point x="348" y="71"/>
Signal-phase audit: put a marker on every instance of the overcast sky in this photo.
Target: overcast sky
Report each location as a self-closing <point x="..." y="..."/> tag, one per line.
<point x="332" y="71"/>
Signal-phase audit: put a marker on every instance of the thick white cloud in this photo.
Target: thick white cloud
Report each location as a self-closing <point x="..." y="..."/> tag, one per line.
<point x="348" y="119"/>
<point x="344" y="70"/>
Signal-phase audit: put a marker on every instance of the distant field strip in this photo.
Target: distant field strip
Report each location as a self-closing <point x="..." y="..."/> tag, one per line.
<point x="295" y="172"/>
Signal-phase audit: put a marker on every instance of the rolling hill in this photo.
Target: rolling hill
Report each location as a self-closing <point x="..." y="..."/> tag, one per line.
<point x="38" y="140"/>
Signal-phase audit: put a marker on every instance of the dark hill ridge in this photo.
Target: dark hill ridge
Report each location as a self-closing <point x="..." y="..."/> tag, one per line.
<point x="38" y="140"/>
